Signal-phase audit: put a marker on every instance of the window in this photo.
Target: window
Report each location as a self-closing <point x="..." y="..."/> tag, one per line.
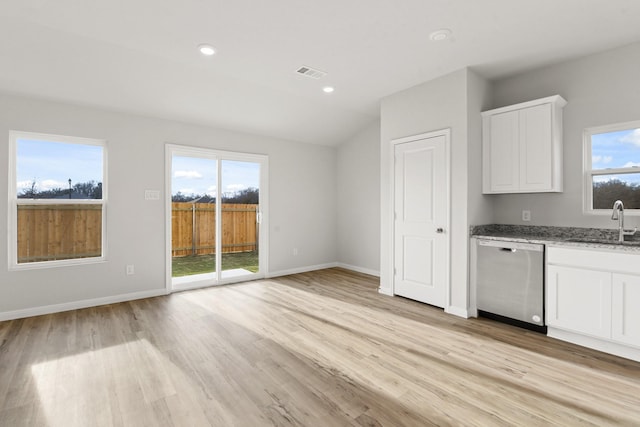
<point x="57" y="200"/>
<point x="612" y="166"/>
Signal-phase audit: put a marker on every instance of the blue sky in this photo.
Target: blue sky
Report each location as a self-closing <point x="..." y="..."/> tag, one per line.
<point x="192" y="175"/>
<point x="52" y="164"/>
<point x="616" y="149"/>
<point x="619" y="149"/>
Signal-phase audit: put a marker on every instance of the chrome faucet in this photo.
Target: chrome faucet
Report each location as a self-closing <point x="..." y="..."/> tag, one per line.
<point x="618" y="214"/>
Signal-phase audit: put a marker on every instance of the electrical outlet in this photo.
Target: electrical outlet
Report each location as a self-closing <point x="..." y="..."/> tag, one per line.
<point x="526" y="215"/>
<point x="295" y="251"/>
<point x="130" y="270"/>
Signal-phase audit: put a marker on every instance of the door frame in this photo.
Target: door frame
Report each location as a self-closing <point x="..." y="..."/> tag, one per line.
<point x="446" y="133"/>
<point x="263" y="242"/>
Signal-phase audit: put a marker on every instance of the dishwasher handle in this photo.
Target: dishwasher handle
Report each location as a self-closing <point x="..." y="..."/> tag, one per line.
<point x="511" y="246"/>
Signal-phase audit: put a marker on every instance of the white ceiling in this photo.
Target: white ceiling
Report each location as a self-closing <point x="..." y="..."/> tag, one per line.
<point x="140" y="56"/>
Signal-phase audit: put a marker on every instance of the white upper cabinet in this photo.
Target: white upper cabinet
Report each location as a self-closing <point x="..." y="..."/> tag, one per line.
<point x="522" y="147"/>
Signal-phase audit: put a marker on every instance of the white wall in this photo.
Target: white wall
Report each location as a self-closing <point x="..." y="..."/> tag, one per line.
<point x="358" y="191"/>
<point x="306" y="181"/>
<point x="302" y="201"/>
<point x="437" y="104"/>
<point x="600" y="89"/>
<point x="480" y="208"/>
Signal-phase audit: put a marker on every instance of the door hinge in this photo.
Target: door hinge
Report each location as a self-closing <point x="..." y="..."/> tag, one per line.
<point x="259" y="217"/>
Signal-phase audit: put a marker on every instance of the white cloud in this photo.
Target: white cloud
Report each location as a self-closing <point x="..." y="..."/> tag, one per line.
<point x="50" y="184"/>
<point x="47" y="184"/>
<point x="187" y="191"/>
<point x="23" y="185"/>
<point x="632" y="138"/>
<point x="211" y="191"/>
<point x="631" y="164"/>
<point x="235" y="187"/>
<point x="187" y="174"/>
<point x="601" y="159"/>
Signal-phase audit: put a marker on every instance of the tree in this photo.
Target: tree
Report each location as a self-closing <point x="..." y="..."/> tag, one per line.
<point x="607" y="192"/>
<point x="29" y="193"/>
<point x="82" y="190"/>
<point x="180" y="197"/>
<point x="88" y="190"/>
<point x="248" y="196"/>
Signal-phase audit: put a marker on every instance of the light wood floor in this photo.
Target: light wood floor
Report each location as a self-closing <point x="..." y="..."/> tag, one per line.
<point x="314" y="349"/>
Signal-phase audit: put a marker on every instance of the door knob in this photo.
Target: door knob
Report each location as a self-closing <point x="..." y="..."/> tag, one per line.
<point x="440" y="230"/>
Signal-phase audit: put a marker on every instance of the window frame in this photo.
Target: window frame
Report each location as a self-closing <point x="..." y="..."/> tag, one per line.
<point x="589" y="172"/>
<point x="14" y="201"/>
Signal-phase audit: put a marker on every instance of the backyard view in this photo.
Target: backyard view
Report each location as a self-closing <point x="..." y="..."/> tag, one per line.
<point x="58" y="199"/>
<point x="194" y="238"/>
<point x="196" y="218"/>
<point x="200" y="264"/>
<point x="615" y="165"/>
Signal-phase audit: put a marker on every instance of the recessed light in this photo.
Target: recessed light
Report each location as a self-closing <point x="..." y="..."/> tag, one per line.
<point x="440" y="35"/>
<point x="328" y="89"/>
<point x="206" y="49"/>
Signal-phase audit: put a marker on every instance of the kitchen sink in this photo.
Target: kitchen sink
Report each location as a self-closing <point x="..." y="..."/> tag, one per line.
<point x="605" y="242"/>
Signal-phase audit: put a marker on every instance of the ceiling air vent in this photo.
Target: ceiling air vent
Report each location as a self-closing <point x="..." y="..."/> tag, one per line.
<point x="310" y="72"/>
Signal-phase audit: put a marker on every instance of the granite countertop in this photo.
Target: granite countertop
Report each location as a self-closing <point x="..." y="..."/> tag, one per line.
<point x="577" y="237"/>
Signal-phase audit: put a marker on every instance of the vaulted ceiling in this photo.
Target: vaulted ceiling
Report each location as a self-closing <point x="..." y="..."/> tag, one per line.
<point x="140" y="56"/>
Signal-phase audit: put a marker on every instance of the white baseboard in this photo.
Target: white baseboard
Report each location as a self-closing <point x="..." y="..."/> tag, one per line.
<point x="605" y="346"/>
<point x="359" y="269"/>
<point x="301" y="270"/>
<point x="385" y="291"/>
<point x="457" y="311"/>
<point x="57" y="308"/>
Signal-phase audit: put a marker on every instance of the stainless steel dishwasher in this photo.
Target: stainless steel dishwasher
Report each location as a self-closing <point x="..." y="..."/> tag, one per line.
<point x="510" y="282"/>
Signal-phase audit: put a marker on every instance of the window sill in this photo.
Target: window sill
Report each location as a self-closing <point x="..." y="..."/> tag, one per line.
<point x="56" y="264"/>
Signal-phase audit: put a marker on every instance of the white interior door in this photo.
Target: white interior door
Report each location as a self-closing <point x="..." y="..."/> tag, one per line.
<point x="421" y="241"/>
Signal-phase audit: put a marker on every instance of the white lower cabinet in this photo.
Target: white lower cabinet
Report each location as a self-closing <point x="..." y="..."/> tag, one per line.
<point x="625" y="309"/>
<point x="593" y="298"/>
<point x="579" y="300"/>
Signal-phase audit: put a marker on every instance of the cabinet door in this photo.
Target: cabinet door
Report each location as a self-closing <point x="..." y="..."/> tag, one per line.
<point x="504" y="155"/>
<point x="536" y="148"/>
<point x="625" y="311"/>
<point x="579" y="300"/>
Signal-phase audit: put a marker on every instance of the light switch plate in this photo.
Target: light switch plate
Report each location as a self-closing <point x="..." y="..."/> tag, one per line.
<point x="151" y="194"/>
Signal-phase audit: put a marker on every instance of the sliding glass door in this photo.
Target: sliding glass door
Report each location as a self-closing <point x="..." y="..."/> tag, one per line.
<point x="240" y="218"/>
<point x="193" y="218"/>
<point x="217" y="205"/>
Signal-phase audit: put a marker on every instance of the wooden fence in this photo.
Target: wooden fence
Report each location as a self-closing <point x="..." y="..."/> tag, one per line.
<point x="194" y="228"/>
<point x="53" y="232"/>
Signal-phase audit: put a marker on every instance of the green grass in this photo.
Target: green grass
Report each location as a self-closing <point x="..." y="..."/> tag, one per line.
<point x="199" y="264"/>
